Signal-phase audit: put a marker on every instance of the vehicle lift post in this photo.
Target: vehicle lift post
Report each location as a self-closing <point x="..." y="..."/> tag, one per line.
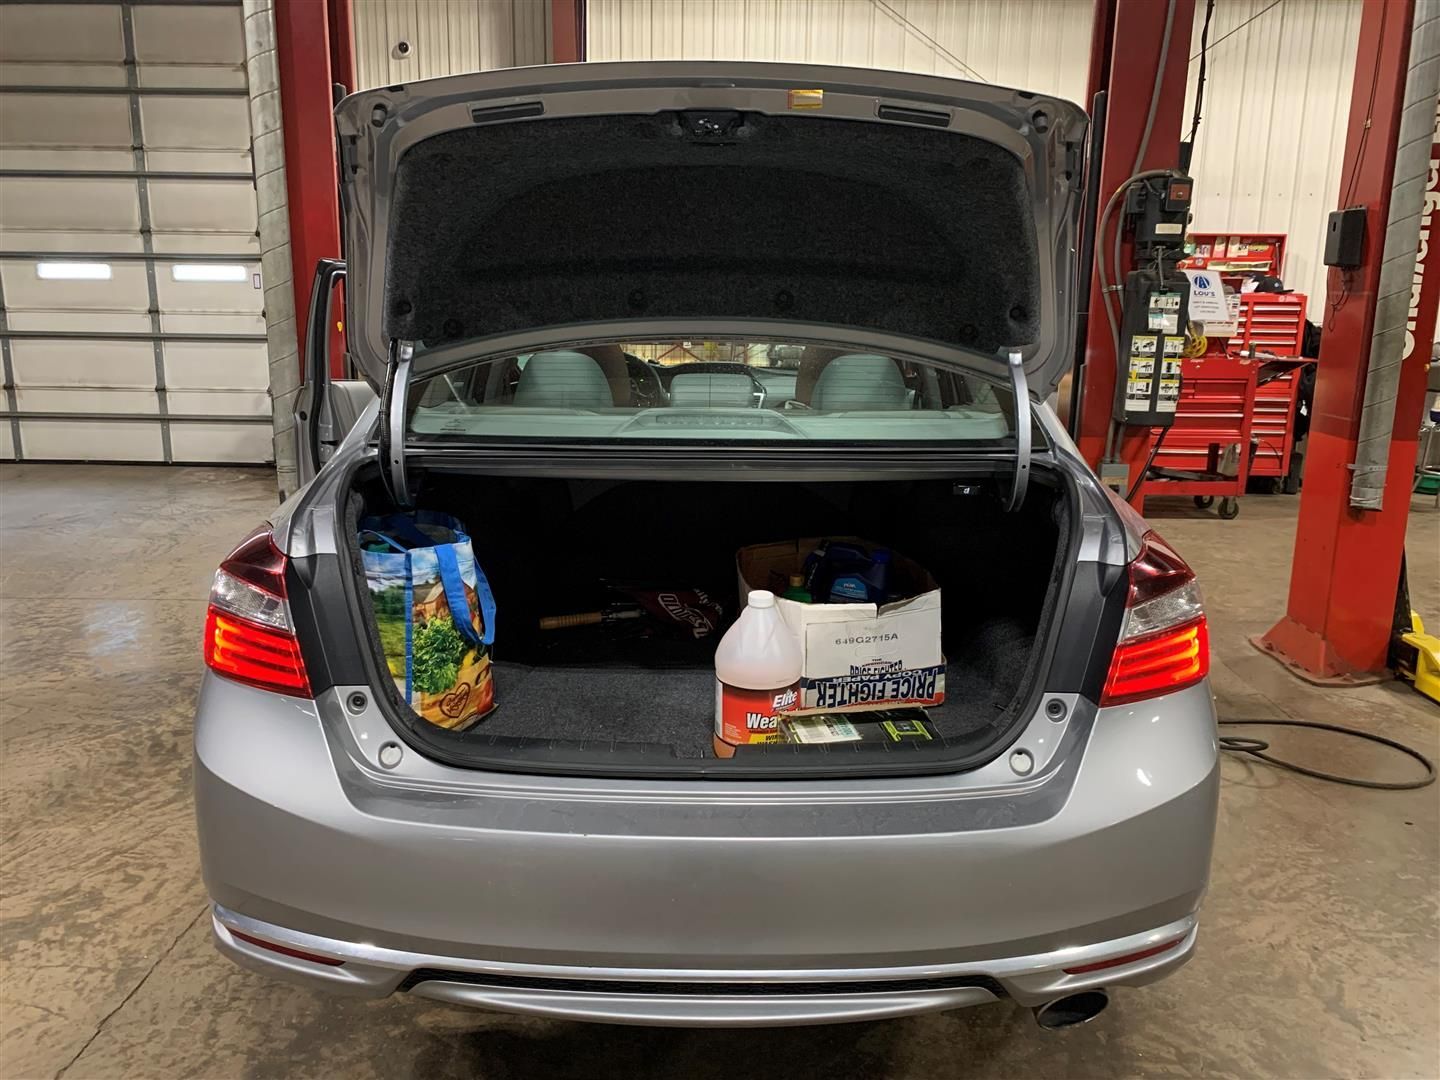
<point x="1346" y="570"/>
<point x="314" y="53"/>
<point x="1137" y="27"/>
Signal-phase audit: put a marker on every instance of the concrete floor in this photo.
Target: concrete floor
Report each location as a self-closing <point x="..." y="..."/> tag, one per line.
<point x="1319" y="938"/>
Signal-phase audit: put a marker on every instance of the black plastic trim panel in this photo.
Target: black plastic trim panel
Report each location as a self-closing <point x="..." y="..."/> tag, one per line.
<point x="707" y="989"/>
<point x="326" y="631"/>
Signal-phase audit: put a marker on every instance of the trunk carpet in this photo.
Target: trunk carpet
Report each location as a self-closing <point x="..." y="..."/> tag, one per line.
<point x="674" y="706"/>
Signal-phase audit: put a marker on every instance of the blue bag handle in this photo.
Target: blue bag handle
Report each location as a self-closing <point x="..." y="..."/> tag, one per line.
<point x="459" y="604"/>
<point x="378" y="535"/>
<point x="405" y="529"/>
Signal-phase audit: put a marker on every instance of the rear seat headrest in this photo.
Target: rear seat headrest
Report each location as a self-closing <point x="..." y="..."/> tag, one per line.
<point x="858" y="382"/>
<point x="563" y="380"/>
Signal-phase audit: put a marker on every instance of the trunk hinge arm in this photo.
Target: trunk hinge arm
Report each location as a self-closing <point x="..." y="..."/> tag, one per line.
<point x="392" y="423"/>
<point x="1021" y="389"/>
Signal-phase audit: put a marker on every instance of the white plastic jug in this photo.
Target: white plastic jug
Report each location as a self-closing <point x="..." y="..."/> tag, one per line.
<point x="757" y="675"/>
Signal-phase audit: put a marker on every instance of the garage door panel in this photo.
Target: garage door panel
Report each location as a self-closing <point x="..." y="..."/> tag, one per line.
<point x="91" y="440"/>
<point x="115" y="364"/>
<point x="180" y="292"/>
<point x="25" y="289"/>
<point x="211" y="161"/>
<point x="69" y="204"/>
<point x="202" y="206"/>
<point x="224" y="403"/>
<point x="27" y="158"/>
<point x="61" y="242"/>
<point x="89" y="322"/>
<point x="21" y="73"/>
<point x="195" y="123"/>
<point x="195" y="365"/>
<point x="244" y="246"/>
<point x="64" y="120"/>
<point x="61" y="32"/>
<point x="201" y="322"/>
<point x="222" y="442"/>
<point x="189" y="35"/>
<point x="191" y="76"/>
<point x="86" y="399"/>
<point x="7" y="442"/>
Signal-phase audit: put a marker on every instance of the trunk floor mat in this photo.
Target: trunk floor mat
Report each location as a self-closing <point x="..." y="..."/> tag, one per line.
<point x="672" y="706"/>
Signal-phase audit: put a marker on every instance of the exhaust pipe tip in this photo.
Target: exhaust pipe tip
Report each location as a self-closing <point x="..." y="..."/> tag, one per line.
<point x="1072" y="1009"/>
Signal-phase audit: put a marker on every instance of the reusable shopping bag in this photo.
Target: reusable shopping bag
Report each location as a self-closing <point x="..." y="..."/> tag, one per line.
<point x="435" y="614"/>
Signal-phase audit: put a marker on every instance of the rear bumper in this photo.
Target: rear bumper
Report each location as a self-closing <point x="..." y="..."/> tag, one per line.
<point x="1103" y="848"/>
<point x="723" y="998"/>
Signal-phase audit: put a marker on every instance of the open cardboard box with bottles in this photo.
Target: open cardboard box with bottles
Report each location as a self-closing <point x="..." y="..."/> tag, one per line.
<point x="857" y="657"/>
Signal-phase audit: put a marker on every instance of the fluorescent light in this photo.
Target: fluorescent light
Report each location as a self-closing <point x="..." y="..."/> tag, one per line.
<point x="210" y="272"/>
<point x="73" y="271"/>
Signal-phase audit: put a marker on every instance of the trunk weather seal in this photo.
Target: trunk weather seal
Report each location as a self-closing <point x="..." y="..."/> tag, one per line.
<point x="749" y="763"/>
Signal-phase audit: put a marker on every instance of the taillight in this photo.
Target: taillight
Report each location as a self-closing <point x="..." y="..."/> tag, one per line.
<point x="248" y="633"/>
<point x="1164" y="642"/>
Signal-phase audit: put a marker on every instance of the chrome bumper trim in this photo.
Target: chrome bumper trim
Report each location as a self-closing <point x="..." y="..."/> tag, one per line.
<point x="736" y="997"/>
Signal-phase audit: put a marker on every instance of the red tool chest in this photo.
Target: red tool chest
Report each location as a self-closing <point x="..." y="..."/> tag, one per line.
<point x="1273" y="427"/>
<point x="1272" y="324"/>
<point x="1237" y="406"/>
<point x="1234" y="255"/>
<point x="1269" y="323"/>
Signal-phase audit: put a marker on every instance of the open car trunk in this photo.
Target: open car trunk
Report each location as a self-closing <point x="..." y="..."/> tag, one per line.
<point x="632" y="692"/>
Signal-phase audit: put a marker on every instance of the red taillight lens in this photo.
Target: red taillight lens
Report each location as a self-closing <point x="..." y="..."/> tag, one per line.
<point x="1158" y="664"/>
<point x="1164" y="643"/>
<point x="248" y="635"/>
<point x="254" y="654"/>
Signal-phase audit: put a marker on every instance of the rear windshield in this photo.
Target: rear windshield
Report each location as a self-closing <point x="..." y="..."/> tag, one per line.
<point x="712" y="391"/>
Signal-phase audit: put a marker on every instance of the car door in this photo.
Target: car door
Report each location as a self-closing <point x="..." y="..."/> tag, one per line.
<point x="326" y="408"/>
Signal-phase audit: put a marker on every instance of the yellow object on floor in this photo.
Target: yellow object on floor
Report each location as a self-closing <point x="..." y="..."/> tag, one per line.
<point x="1425" y="673"/>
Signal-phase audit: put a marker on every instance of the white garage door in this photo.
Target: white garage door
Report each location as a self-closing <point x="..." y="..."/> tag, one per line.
<point x="129" y="266"/>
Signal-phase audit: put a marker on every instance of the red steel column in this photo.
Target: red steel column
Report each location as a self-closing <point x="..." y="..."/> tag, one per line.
<point x="302" y="46"/>
<point x="342" y="43"/>
<point x="1137" y="27"/>
<point x="1346" y="569"/>
<point x="342" y="73"/>
<point x="567" y="29"/>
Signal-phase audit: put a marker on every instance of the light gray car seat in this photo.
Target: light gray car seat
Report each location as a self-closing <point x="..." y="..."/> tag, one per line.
<point x="563" y="380"/>
<point x="860" y="382"/>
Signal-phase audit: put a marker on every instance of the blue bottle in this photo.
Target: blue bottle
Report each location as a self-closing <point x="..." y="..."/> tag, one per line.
<point x="862" y="579"/>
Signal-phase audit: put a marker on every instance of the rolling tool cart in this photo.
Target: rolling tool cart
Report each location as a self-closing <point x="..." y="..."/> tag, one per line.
<point x="1200" y="455"/>
<point x="1235" y="414"/>
<point x="1271" y="328"/>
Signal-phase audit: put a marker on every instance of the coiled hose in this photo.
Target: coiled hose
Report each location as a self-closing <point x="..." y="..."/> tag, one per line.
<point x="1239" y="744"/>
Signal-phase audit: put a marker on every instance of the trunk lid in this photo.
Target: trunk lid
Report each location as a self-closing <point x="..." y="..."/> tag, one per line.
<point x="568" y="202"/>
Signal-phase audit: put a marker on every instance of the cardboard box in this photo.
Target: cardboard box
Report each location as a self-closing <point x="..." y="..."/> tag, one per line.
<point x="856" y="656"/>
<point x="890" y="726"/>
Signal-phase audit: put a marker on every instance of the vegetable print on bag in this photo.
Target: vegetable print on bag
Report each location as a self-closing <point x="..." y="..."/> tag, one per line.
<point x="435" y="614"/>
